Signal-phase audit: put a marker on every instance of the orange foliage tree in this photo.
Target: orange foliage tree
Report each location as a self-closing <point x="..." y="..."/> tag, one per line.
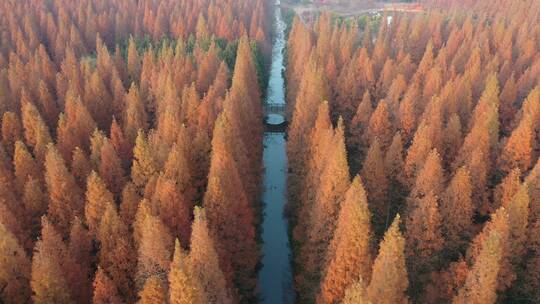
<point x="349" y="255"/>
<point x="389" y="280"/>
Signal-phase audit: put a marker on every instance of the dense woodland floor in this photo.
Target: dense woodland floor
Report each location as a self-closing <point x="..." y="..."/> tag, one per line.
<point x="131" y="152"/>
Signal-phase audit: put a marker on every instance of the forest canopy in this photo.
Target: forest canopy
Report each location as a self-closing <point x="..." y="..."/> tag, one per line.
<point x="413" y="154"/>
<point x="131" y="151"/>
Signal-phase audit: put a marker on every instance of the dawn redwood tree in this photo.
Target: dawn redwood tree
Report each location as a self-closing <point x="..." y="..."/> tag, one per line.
<point x="300" y="44"/>
<point x="184" y="288"/>
<point x="133" y="61"/>
<point x="144" y="166"/>
<point x="387" y="75"/>
<point x="75" y="126"/>
<point x="173" y="208"/>
<point x="349" y="255"/>
<point x="65" y="197"/>
<point x="36" y="133"/>
<point x="135" y="116"/>
<point x="15" y="269"/>
<point x="324" y="35"/>
<point x="499" y="222"/>
<point x="509" y="186"/>
<point x="95" y="96"/>
<point x="209" y="107"/>
<point x="533" y="183"/>
<point x="8" y="217"/>
<point x="246" y="162"/>
<point x="200" y="158"/>
<point x="323" y="216"/>
<point x="433" y="116"/>
<point x="353" y="81"/>
<point x="110" y="168"/>
<point x="380" y="126"/>
<point x="244" y="86"/>
<point x="161" y="24"/>
<point x="417" y="153"/>
<point x="49" y="282"/>
<point x="425" y="63"/>
<point x="356" y="293"/>
<point x="313" y="90"/>
<point x="104" y="289"/>
<point x="25" y="167"/>
<point x="407" y="113"/>
<point x="80" y="248"/>
<point x="97" y="140"/>
<point x="129" y="203"/>
<point x="445" y="283"/>
<point x="71" y="75"/>
<point x="519" y="149"/>
<point x="154" y="291"/>
<point x="320" y="141"/>
<point x="35" y="201"/>
<point x="457" y="210"/>
<point x="530" y="110"/>
<point x="481" y="283"/>
<point x="531" y="280"/>
<point x="429" y="179"/>
<point x="104" y="60"/>
<point x="507" y="108"/>
<point x="154" y="251"/>
<point x="483" y="125"/>
<point x="116" y="253"/>
<point x="478" y="166"/>
<point x="208" y="69"/>
<point x="116" y="85"/>
<point x="171" y="110"/>
<point x="230" y="215"/>
<point x="144" y="209"/>
<point x="179" y="166"/>
<point x="12" y="130"/>
<point x="203" y="261"/>
<point x="453" y="137"/>
<point x="374" y="176"/>
<point x="518" y="217"/>
<point x="359" y="124"/>
<point x="98" y="198"/>
<point x="389" y="280"/>
<point x="394" y="163"/>
<point x="424" y="237"/>
<point x="80" y="166"/>
<point x="120" y="143"/>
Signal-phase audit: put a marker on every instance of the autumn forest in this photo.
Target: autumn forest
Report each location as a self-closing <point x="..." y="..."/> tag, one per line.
<point x="134" y="152"/>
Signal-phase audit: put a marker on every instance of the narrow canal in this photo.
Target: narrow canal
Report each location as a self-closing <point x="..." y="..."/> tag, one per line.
<point x="275" y="276"/>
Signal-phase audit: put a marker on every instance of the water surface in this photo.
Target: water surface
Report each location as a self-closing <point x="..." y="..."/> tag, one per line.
<point x="275" y="276"/>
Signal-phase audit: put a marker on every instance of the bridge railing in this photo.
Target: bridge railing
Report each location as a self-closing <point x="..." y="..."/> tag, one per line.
<point x="270" y="108"/>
